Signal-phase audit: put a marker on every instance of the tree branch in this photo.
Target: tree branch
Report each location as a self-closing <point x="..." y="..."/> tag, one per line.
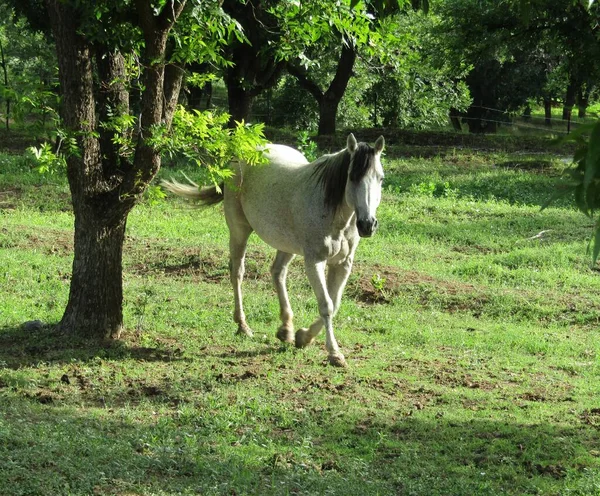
<point x="154" y="101"/>
<point x="172" y="87"/>
<point x="113" y="100"/>
<point x="305" y="80"/>
<point x="163" y="21"/>
<point x="338" y="85"/>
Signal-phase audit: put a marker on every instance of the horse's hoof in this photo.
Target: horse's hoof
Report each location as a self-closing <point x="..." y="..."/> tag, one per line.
<point x="244" y="330"/>
<point x="285" y="334"/>
<point x="338" y="360"/>
<point x="302" y="338"/>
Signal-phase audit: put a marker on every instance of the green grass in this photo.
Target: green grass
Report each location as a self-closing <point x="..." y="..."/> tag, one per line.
<point x="472" y="346"/>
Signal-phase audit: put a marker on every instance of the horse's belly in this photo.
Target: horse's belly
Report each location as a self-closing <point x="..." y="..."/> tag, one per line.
<point x="273" y="229"/>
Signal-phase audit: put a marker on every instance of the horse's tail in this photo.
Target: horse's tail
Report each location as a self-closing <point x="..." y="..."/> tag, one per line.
<point x="208" y="195"/>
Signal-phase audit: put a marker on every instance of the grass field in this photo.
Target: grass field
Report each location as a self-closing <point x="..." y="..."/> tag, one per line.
<point x="472" y="343"/>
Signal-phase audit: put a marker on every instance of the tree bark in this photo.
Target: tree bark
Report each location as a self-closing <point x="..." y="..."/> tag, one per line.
<point x="103" y="188"/>
<point x="113" y="100"/>
<point x="454" y="116"/>
<point x="256" y="67"/>
<point x="582" y="103"/>
<point x="5" y="71"/>
<point x="328" y="108"/>
<point x="569" y="100"/>
<point x="240" y="102"/>
<point x="548" y="112"/>
<point x="94" y="306"/>
<point x="173" y="84"/>
<point x="329" y="99"/>
<point x="94" y="309"/>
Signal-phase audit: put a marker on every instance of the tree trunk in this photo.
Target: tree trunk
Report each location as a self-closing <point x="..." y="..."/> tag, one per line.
<point x="173" y="83"/>
<point x="334" y="94"/>
<point x="454" y="116"/>
<point x="548" y="112"/>
<point x="95" y="297"/>
<point x="330" y="99"/>
<point x="5" y="71"/>
<point x="104" y="185"/>
<point x="582" y="103"/>
<point x="95" y="302"/>
<point x="569" y="101"/>
<point x="256" y="64"/>
<point x="327" y="115"/>
<point x="240" y="102"/>
<point x="479" y="122"/>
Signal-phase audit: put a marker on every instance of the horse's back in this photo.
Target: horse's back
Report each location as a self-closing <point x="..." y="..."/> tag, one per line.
<point x="284" y="156"/>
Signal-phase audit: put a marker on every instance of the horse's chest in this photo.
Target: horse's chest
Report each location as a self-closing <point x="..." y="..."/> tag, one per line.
<point x="339" y="248"/>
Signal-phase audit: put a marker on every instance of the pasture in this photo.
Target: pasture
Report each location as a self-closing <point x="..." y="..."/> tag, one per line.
<point x="472" y="344"/>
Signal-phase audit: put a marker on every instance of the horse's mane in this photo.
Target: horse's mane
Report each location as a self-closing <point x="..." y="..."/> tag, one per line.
<point x="331" y="172"/>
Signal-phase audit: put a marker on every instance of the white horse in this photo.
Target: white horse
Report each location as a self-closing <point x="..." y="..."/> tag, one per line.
<point x="318" y="210"/>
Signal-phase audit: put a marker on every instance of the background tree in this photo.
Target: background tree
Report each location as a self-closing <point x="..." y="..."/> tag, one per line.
<point x="354" y="30"/>
<point x="516" y="55"/>
<point x="28" y="76"/>
<point x="254" y="66"/>
<point x="411" y="85"/>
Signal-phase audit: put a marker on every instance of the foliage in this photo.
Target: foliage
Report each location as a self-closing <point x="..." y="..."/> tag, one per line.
<point x="204" y="139"/>
<point x="515" y="54"/>
<point x="311" y="29"/>
<point x="52" y="161"/>
<point x="154" y="195"/>
<point x="30" y="64"/>
<point x="307" y="146"/>
<point x="48" y="162"/>
<point x="584" y="177"/>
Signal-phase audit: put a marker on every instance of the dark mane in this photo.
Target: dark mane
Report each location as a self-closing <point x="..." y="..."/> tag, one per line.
<point x="331" y="172"/>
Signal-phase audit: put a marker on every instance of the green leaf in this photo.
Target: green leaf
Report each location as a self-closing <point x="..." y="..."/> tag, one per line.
<point x="596" y="251"/>
<point x="592" y="159"/>
<point x="561" y="191"/>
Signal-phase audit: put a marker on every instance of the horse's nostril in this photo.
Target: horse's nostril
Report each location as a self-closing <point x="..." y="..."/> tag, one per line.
<point x="375" y="224"/>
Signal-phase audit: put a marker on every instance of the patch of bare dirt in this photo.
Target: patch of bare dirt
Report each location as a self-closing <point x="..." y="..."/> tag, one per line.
<point x="380" y="284"/>
<point x="45" y="240"/>
<point x="7" y="197"/>
<point x="591" y="417"/>
<point x="451" y="378"/>
<point x="208" y="264"/>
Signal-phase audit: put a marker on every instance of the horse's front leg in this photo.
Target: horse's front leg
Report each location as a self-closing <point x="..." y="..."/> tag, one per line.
<point x="279" y="268"/>
<point x="316" y="277"/>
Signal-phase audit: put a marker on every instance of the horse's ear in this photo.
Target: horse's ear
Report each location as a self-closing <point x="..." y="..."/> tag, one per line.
<point x="379" y="144"/>
<point x="351" y="144"/>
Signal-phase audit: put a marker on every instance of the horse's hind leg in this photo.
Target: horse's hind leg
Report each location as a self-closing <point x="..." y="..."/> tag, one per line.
<point x="238" y="238"/>
<point x="279" y="268"/>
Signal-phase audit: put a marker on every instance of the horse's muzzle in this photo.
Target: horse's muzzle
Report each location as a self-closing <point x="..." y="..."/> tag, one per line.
<point x="366" y="227"/>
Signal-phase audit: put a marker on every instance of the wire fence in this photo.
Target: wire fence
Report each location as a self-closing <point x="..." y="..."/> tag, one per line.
<point x="276" y="110"/>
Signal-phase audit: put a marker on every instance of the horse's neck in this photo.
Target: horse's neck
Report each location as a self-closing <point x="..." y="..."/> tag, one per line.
<point x="344" y="213"/>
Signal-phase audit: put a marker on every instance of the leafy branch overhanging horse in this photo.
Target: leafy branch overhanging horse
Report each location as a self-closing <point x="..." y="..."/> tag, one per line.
<point x="319" y="210"/>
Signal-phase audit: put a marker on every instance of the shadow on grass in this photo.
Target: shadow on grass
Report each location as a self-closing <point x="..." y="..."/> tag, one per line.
<point x="21" y="347"/>
<point x="208" y="450"/>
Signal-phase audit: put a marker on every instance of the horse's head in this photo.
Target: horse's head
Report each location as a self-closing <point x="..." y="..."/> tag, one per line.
<point x="363" y="188"/>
